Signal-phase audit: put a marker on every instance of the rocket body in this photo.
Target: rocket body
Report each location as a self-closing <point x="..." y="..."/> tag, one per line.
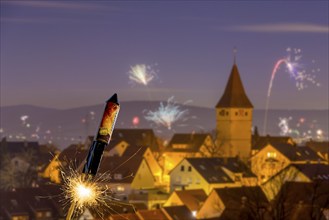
<point x="103" y="136"/>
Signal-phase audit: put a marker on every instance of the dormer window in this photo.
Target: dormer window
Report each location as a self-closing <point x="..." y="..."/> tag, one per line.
<point x="117" y="176"/>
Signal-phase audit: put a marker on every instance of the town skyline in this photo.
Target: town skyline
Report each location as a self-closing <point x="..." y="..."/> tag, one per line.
<point x="73" y="54"/>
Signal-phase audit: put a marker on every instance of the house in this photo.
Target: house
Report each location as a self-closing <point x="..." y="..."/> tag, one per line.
<point x="156" y="214"/>
<point x="193" y="199"/>
<point x="167" y="213"/>
<point x="31" y="203"/>
<point x="259" y="142"/>
<point x="178" y="213"/>
<point x="274" y="157"/>
<point x="300" y="200"/>
<point x="127" y="172"/>
<point x="152" y="198"/>
<point x="70" y="157"/>
<point x="136" y="137"/>
<point x="320" y="147"/>
<point x="209" y="173"/>
<point x="234" y="201"/>
<point x="130" y="216"/>
<point x="126" y="142"/>
<point x="13" y="207"/>
<point x="122" y="145"/>
<point x="21" y="161"/>
<point x="295" y="173"/>
<point x="185" y="145"/>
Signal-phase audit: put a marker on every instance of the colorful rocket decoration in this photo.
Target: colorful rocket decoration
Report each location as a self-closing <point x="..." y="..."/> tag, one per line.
<point x="103" y="136"/>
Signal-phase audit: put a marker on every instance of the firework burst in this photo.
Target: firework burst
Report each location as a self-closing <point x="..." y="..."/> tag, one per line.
<point x="167" y="114"/>
<point x="301" y="131"/>
<point x="142" y="74"/>
<point x="296" y="71"/>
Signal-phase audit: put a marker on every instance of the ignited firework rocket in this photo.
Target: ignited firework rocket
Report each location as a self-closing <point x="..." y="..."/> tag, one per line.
<point x="103" y="136"/>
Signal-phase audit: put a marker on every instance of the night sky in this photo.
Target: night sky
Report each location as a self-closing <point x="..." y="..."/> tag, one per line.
<point x="65" y="54"/>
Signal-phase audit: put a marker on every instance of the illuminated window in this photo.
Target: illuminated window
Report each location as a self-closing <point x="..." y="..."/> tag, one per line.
<point x="271" y="154"/>
<point x="48" y="214"/>
<point x="120" y="188"/>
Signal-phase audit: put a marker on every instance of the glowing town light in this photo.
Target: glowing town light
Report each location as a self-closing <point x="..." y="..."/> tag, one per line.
<point x="141" y="74"/>
<point x="319" y="132"/>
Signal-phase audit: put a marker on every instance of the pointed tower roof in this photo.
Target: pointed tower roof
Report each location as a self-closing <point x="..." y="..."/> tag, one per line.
<point x="234" y="95"/>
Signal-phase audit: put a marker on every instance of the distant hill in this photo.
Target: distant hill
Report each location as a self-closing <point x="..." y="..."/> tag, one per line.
<point x="63" y="127"/>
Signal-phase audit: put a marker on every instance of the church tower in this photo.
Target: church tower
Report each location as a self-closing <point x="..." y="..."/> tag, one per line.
<point x="234" y="118"/>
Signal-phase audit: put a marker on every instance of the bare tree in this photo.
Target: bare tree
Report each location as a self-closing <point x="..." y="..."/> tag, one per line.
<point x="213" y="149"/>
<point x="12" y="176"/>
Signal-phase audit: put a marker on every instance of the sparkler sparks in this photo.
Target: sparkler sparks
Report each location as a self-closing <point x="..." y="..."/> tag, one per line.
<point x="83" y="192"/>
<point x="80" y="192"/>
<point x="296" y="71"/>
<point x="167" y="115"/>
<point x="142" y="74"/>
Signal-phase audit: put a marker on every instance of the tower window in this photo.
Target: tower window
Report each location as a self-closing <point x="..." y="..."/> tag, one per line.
<point x="246" y="113"/>
<point x="182" y="168"/>
<point x="236" y="113"/>
<point x="226" y="113"/>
